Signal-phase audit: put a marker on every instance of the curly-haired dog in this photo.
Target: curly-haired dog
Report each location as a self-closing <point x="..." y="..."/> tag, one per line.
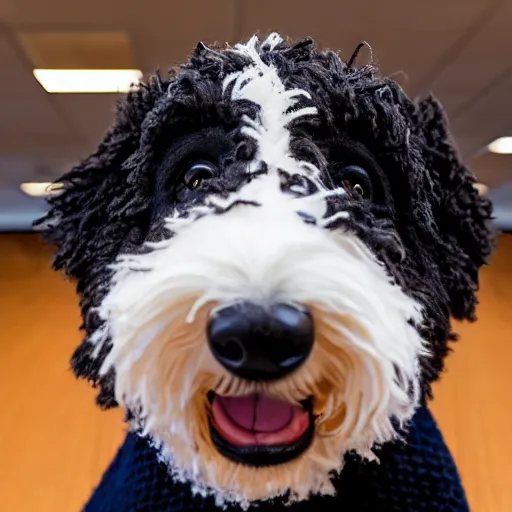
<point x="269" y="245"/>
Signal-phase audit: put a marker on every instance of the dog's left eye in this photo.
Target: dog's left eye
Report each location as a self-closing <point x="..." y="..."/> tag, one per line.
<point x="197" y="173"/>
<point x="356" y="181"/>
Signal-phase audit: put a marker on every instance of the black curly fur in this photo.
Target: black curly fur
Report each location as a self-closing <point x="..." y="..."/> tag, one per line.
<point x="433" y="234"/>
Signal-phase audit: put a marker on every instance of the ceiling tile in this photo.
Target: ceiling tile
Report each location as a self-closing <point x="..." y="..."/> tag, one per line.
<point x="90" y="114"/>
<point x="487" y="118"/>
<point x="77" y="49"/>
<point x="478" y="66"/>
<point x="403" y="37"/>
<point x="26" y="111"/>
<point x="162" y="33"/>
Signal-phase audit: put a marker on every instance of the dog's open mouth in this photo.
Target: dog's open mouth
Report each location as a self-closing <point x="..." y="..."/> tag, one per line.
<point x="258" y="430"/>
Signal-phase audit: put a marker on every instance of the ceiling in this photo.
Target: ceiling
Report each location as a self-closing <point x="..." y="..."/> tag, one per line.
<point x="458" y="49"/>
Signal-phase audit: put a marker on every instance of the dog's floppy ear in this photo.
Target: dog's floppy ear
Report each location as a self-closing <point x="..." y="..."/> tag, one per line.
<point x="464" y="236"/>
<point x="101" y="199"/>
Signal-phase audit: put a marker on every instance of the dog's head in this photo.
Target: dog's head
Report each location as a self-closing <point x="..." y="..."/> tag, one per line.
<point x="269" y="245"/>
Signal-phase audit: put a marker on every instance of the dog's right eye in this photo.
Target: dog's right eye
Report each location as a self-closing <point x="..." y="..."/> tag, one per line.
<point x="197" y="173"/>
<point x="357" y="181"/>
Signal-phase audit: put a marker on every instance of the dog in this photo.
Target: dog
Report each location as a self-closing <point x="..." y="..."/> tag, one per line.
<point x="269" y="245"/>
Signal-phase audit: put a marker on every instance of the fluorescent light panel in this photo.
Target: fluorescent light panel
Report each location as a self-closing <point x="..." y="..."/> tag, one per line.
<point x="502" y="146"/>
<point x="87" y="80"/>
<point x="40" y="189"/>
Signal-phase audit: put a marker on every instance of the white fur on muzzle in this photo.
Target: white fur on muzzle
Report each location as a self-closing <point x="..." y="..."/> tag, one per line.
<point x="363" y="370"/>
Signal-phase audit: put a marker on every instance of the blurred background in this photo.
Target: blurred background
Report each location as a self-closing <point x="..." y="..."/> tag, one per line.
<point x="54" y="443"/>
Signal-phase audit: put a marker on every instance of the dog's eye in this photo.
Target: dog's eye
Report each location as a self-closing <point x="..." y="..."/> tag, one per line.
<point x="197" y="173"/>
<point x="357" y="182"/>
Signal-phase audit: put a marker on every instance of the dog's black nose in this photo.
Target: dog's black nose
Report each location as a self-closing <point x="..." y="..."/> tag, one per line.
<point x="261" y="343"/>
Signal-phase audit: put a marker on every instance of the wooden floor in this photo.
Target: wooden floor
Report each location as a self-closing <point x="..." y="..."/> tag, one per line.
<point x="54" y="442"/>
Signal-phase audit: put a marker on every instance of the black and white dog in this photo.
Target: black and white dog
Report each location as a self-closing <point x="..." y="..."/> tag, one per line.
<point x="269" y="245"/>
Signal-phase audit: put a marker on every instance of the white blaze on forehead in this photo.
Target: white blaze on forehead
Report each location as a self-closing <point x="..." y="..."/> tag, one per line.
<point x="261" y="84"/>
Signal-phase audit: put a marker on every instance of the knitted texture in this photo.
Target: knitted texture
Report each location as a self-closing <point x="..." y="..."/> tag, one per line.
<point x="416" y="476"/>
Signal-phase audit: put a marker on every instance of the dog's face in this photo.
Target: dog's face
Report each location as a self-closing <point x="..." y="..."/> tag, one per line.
<point x="269" y="246"/>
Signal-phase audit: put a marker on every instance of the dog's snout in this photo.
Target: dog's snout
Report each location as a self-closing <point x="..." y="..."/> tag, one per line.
<point x="256" y="342"/>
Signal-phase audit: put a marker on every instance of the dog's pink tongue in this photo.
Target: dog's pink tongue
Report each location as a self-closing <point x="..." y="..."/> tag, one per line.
<point x="257" y="412"/>
<point x="258" y="420"/>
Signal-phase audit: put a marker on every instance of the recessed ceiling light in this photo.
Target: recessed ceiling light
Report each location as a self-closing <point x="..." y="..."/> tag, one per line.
<point x="502" y="146"/>
<point x="40" y="189"/>
<point x="482" y="189"/>
<point x="87" y="80"/>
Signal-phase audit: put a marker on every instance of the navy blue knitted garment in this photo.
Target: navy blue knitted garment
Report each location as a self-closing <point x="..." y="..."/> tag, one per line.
<point x="417" y="476"/>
